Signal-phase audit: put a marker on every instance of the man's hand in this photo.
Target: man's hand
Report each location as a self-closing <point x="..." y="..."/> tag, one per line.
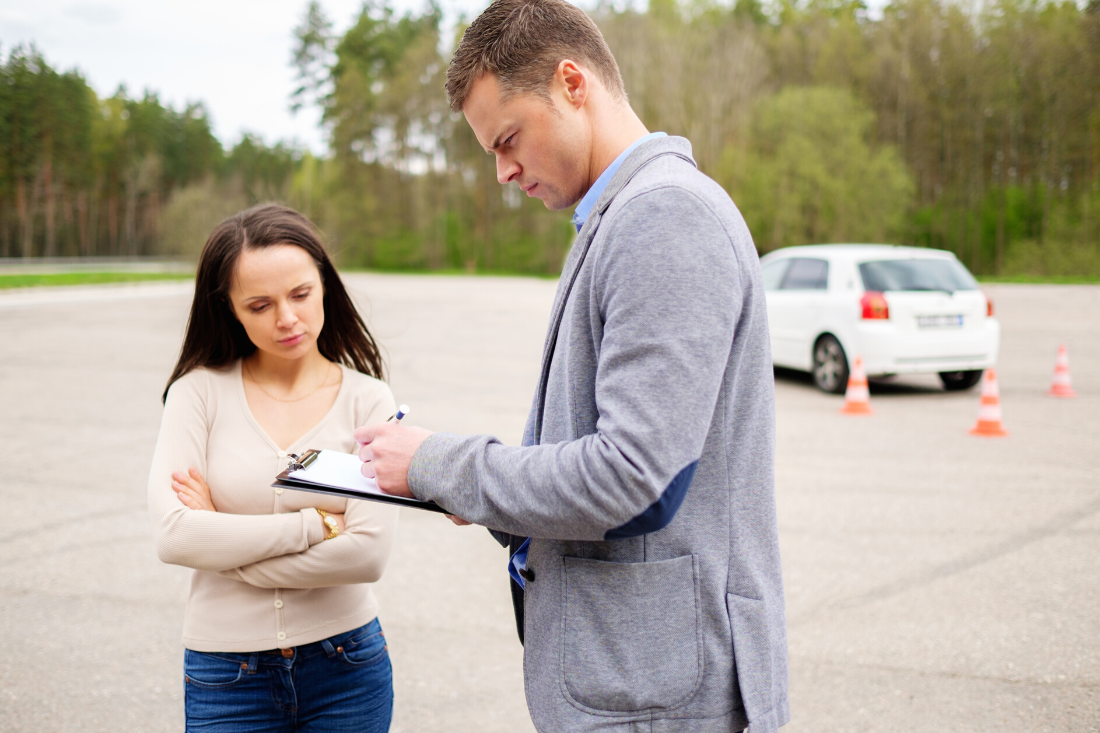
<point x="386" y="450"/>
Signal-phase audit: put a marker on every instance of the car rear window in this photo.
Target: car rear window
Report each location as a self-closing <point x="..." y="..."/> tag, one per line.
<point x="773" y="273"/>
<point x="886" y="275"/>
<point x="806" y="274"/>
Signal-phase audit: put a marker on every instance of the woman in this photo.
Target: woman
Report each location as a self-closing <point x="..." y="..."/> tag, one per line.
<point x="280" y="629"/>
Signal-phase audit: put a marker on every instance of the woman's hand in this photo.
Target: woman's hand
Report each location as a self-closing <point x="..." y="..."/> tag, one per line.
<point x="192" y="490"/>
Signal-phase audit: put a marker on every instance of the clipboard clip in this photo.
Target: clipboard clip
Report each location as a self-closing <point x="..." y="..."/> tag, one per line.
<point x="301" y="462"/>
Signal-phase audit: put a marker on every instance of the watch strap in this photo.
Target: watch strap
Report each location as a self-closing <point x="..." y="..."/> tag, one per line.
<point x="331" y="528"/>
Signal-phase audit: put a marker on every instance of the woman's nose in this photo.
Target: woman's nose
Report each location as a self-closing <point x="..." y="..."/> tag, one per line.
<point x="285" y="316"/>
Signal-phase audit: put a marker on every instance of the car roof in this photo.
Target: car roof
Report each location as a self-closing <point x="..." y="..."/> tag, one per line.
<point x="860" y="252"/>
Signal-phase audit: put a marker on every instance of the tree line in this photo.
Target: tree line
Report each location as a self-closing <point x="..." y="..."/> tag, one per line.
<point x="80" y="175"/>
<point x="975" y="130"/>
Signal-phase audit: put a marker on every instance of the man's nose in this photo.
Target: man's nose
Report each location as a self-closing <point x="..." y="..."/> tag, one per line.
<point x="507" y="169"/>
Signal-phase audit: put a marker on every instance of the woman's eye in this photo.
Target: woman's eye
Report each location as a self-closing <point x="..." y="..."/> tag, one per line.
<point x="301" y="296"/>
<point x="258" y="308"/>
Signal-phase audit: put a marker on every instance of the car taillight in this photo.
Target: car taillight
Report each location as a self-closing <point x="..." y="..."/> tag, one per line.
<point x="988" y="306"/>
<point x="874" y="306"/>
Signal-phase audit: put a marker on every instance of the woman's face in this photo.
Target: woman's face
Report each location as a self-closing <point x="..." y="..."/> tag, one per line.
<point x="277" y="296"/>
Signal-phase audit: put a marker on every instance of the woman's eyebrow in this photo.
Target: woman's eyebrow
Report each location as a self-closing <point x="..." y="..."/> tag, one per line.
<point x="306" y="284"/>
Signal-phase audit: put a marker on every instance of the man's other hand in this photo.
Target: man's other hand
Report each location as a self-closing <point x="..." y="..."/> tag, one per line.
<point x="386" y="450"/>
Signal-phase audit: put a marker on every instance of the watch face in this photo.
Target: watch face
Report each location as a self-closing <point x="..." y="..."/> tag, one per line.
<point x="330" y="522"/>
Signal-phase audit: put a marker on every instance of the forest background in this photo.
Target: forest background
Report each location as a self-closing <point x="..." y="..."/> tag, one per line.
<point x="969" y="128"/>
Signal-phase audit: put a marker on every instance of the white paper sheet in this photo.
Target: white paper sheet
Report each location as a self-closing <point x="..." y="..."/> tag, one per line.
<point x="338" y="470"/>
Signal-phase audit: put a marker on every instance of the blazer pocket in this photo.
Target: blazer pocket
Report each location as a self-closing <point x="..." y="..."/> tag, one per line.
<point x="631" y="634"/>
<point x="752" y="653"/>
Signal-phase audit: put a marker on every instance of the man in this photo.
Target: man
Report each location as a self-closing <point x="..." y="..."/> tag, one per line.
<point x="651" y="581"/>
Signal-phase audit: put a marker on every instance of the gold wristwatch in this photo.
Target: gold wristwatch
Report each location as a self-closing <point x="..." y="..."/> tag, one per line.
<point x="330" y="524"/>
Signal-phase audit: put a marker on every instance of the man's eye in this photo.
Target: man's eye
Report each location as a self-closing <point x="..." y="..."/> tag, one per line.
<point x="509" y="140"/>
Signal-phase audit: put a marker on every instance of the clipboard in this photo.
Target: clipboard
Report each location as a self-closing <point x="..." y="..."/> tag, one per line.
<point x="338" y="474"/>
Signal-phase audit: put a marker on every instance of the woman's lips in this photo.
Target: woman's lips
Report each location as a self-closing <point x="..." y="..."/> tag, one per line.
<point x="293" y="340"/>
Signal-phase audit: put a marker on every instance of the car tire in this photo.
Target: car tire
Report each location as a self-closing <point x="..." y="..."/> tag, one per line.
<point x="958" y="381"/>
<point x="830" y="370"/>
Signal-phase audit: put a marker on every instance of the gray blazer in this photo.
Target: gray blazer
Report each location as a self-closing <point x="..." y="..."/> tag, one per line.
<point x="646" y="478"/>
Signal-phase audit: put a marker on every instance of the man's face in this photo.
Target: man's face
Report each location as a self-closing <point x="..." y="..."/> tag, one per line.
<point x="538" y="143"/>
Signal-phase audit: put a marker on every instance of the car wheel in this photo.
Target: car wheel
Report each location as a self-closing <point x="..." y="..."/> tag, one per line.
<point x="830" y="365"/>
<point x="958" y="381"/>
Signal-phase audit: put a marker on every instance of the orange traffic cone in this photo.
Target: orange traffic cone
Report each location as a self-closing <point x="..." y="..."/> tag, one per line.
<point x="989" y="413"/>
<point x="857" y="398"/>
<point x="1062" y="387"/>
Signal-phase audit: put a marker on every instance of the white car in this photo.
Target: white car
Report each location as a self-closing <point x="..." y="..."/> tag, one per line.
<point x="904" y="310"/>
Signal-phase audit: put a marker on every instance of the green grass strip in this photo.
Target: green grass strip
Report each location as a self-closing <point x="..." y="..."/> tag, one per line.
<point x="8" y="281"/>
<point x="1042" y="279"/>
<point x="447" y="272"/>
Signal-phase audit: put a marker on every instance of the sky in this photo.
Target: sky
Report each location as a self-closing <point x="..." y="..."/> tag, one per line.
<point x="233" y="55"/>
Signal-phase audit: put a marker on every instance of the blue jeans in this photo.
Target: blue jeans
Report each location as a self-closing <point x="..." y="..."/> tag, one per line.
<point x="343" y="683"/>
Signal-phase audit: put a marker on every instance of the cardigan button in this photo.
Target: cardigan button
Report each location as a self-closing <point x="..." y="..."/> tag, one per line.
<point x="281" y="636"/>
<point x="278" y="604"/>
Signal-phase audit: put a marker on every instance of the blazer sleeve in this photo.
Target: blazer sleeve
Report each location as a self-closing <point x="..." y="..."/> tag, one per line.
<point x="666" y="282"/>
<point x="358" y="555"/>
<point x="205" y="540"/>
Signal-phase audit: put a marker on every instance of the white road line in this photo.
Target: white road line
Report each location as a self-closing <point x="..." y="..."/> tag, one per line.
<point x="62" y="294"/>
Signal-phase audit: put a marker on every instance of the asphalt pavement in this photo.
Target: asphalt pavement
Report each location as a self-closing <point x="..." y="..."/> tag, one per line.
<point x="935" y="581"/>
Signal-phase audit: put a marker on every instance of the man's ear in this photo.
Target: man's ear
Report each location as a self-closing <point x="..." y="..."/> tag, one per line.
<point x="574" y="82"/>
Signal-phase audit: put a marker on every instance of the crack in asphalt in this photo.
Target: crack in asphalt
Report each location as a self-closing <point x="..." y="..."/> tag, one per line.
<point x="15" y="592"/>
<point x="1057" y="525"/>
<point x="57" y="524"/>
<point x="1035" y="681"/>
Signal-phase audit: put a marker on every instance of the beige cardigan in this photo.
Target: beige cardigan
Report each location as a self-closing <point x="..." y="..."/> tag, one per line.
<point x="264" y="577"/>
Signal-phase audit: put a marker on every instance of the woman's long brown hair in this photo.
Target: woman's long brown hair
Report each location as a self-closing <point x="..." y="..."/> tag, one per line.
<point x="215" y="338"/>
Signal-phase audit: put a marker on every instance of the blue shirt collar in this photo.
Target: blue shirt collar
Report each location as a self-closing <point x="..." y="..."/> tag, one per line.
<point x="584" y="208"/>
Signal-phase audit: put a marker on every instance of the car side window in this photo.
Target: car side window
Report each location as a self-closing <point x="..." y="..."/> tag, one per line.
<point x="773" y="273"/>
<point x="807" y="274"/>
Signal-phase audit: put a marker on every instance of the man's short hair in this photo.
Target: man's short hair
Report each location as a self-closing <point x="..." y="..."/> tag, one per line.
<point x="522" y="42"/>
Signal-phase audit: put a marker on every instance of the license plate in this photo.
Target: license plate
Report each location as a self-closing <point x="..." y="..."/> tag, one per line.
<point x="940" y="321"/>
